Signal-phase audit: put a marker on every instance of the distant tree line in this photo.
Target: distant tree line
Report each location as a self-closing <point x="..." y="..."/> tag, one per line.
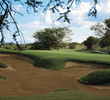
<point x="93" y="42"/>
<point x="59" y="38"/>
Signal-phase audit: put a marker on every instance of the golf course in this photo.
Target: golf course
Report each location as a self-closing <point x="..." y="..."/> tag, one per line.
<point x="54" y="75"/>
<point x="54" y="49"/>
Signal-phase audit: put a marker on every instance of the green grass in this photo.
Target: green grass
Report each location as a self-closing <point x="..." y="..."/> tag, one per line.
<point x="96" y="77"/>
<point x="61" y="95"/>
<point x="55" y="60"/>
<point x="2" y="77"/>
<point x="2" y="65"/>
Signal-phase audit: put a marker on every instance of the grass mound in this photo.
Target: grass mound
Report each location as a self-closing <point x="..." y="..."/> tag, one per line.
<point x="2" y="65"/>
<point x="46" y="60"/>
<point x="2" y="77"/>
<point x="96" y="77"/>
<point x="61" y="95"/>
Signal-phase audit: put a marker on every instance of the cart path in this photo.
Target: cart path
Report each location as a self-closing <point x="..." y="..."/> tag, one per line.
<point x="24" y="79"/>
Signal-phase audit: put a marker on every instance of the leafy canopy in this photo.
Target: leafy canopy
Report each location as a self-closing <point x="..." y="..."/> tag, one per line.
<point x="103" y="30"/>
<point x="52" y="37"/>
<point x="90" y="42"/>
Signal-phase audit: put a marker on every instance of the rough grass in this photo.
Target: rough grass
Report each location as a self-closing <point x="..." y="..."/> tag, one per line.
<point x="2" y="65"/>
<point x="61" y="95"/>
<point x="2" y="77"/>
<point x="96" y="77"/>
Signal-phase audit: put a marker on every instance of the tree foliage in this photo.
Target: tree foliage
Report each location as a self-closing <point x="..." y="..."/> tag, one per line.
<point x="103" y="30"/>
<point x="105" y="42"/>
<point x="73" y="45"/>
<point x="7" y="11"/>
<point x="52" y="37"/>
<point x="90" y="42"/>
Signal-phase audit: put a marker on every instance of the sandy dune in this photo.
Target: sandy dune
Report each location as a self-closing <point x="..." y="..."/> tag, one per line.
<point x="23" y="79"/>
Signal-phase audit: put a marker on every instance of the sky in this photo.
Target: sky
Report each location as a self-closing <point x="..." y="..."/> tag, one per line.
<point x="80" y="23"/>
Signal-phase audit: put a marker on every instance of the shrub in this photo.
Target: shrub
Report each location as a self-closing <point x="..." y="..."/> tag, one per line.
<point x="10" y="47"/>
<point x="2" y="77"/>
<point x="2" y="65"/>
<point x="96" y="77"/>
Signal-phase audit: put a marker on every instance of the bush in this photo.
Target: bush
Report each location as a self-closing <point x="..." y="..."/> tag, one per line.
<point x="9" y="47"/>
<point x="37" y="46"/>
<point x="2" y="77"/>
<point x="2" y="65"/>
<point x="96" y="77"/>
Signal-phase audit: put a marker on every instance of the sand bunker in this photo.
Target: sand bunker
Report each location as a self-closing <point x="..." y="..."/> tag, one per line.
<point x="23" y="79"/>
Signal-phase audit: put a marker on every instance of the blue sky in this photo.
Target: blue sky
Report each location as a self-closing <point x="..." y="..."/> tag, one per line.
<point x="80" y="22"/>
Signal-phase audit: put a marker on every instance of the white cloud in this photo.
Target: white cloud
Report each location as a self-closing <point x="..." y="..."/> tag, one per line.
<point x="108" y="6"/>
<point x="99" y="7"/>
<point x="33" y="24"/>
<point x="48" y="17"/>
<point x="87" y="24"/>
<point x="104" y="6"/>
<point x="84" y="7"/>
<point x="18" y="7"/>
<point x="79" y="14"/>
